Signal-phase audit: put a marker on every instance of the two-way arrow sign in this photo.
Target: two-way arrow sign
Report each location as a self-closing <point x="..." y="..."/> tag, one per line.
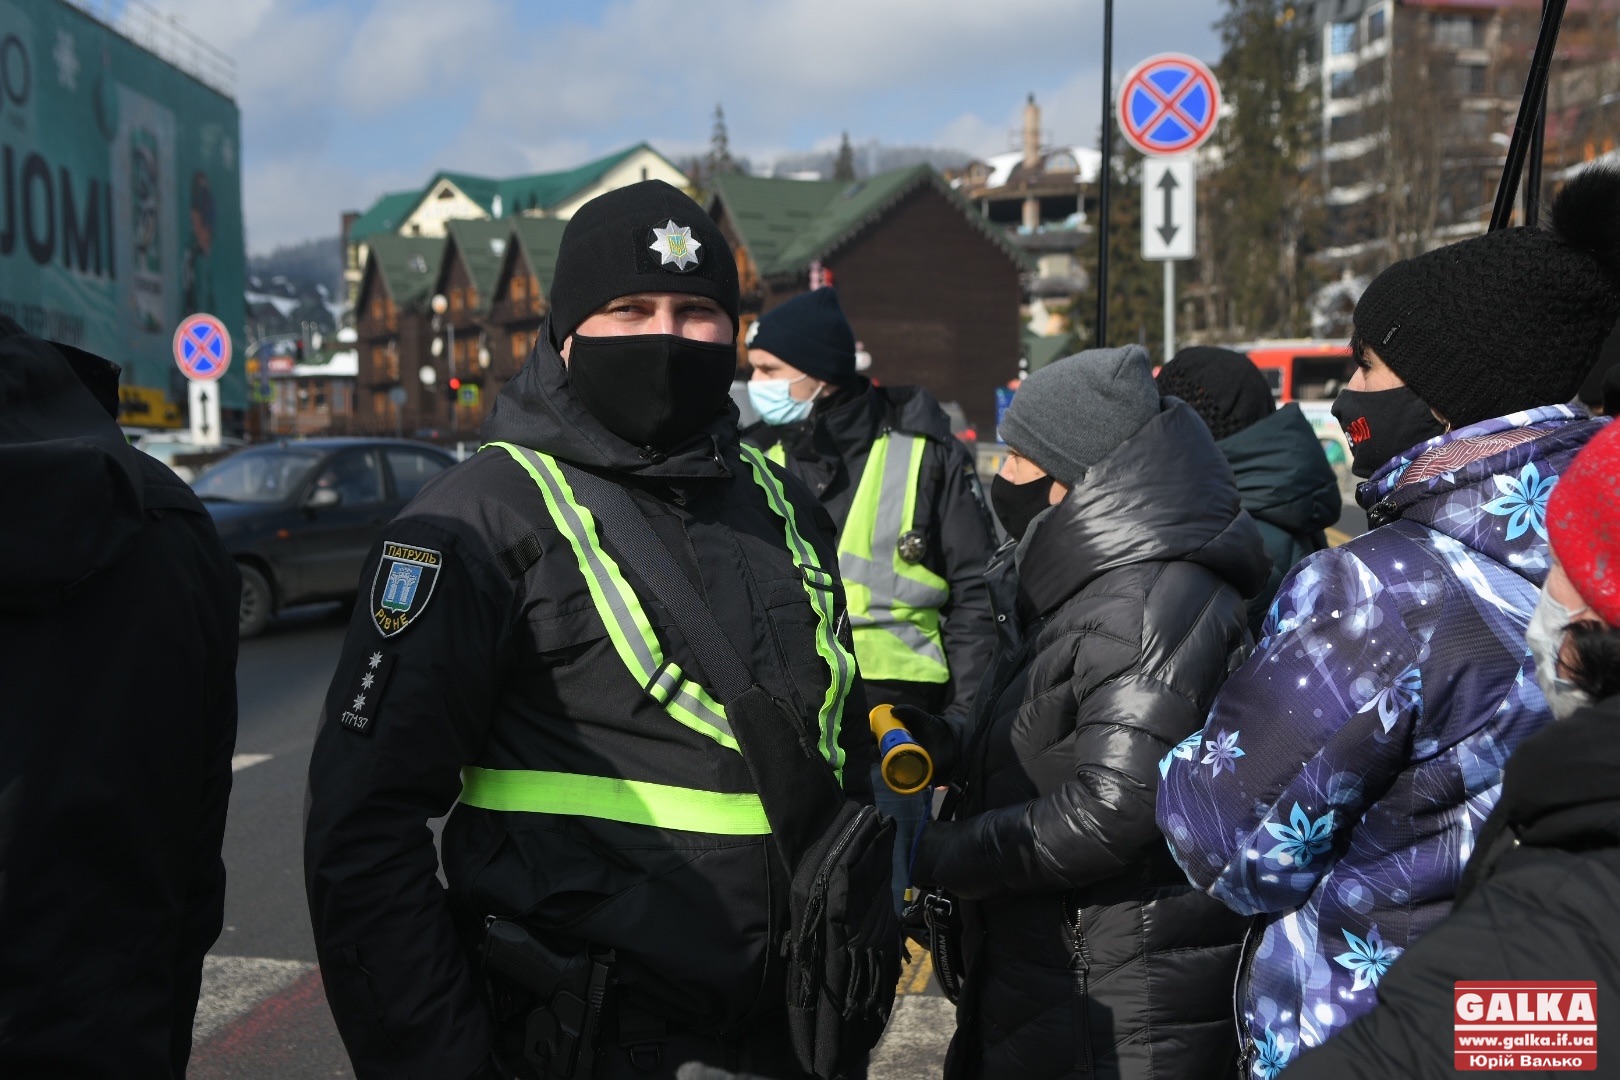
<point x="1168" y="226"/>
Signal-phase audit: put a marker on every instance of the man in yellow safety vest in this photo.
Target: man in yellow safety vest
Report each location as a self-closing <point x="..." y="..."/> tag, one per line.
<point x="914" y="534"/>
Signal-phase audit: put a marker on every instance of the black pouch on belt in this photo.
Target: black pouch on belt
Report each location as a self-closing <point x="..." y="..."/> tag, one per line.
<point x="562" y="1034"/>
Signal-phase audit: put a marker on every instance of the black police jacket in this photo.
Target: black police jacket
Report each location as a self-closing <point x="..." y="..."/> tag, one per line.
<point x="1089" y="954"/>
<point x="501" y="661"/>
<point x="829" y="451"/>
<point x="1538" y="901"/>
<point x="118" y="608"/>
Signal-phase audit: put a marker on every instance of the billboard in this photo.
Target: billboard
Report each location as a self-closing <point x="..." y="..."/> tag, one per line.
<point x="120" y="196"/>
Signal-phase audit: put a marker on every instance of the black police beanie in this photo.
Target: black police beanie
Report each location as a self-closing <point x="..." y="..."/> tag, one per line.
<point x="1507" y="321"/>
<point x="811" y="333"/>
<point x="1222" y="386"/>
<point x="648" y="237"/>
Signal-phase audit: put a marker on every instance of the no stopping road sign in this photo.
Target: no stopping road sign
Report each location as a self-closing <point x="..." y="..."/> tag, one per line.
<point x="202" y="348"/>
<point x="1168" y="104"/>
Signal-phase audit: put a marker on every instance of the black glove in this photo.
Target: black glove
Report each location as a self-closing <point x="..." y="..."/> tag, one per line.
<point x="935" y="734"/>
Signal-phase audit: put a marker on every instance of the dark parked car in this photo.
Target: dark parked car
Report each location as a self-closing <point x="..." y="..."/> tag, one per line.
<point x="300" y="517"/>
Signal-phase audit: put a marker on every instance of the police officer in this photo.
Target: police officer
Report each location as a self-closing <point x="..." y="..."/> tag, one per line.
<point x="914" y="537"/>
<point x="504" y="653"/>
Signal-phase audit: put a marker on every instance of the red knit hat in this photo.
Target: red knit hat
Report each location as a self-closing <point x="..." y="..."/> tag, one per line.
<point x="1583" y="522"/>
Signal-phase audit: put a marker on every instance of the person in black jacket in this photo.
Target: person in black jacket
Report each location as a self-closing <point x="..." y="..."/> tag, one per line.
<point x="508" y="662"/>
<point x="825" y="423"/>
<point x="1540" y="896"/>
<point x="1283" y="477"/>
<point x="118" y="608"/>
<point x="1120" y="599"/>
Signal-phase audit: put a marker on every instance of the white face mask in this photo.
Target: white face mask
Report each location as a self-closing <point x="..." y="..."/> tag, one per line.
<point x="1545" y="637"/>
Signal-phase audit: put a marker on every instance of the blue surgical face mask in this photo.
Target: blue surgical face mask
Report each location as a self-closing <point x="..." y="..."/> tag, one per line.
<point x="774" y="401"/>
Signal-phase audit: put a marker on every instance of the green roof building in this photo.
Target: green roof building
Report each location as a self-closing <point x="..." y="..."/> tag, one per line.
<point x="456" y="196"/>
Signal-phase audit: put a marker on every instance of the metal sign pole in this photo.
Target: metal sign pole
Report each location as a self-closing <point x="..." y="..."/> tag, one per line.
<point x="1169" y="310"/>
<point x="1107" y="172"/>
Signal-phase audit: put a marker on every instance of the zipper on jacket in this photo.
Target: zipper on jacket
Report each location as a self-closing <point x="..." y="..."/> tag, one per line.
<point x="1239" y="981"/>
<point x="1075" y="917"/>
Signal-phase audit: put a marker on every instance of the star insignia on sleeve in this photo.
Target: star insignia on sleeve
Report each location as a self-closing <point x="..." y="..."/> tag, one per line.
<point x="359" y="701"/>
<point x="367" y="680"/>
<point x="675" y="244"/>
<point x="376" y="658"/>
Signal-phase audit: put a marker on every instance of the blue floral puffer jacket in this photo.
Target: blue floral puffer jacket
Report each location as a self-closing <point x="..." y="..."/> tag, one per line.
<point x="1337" y="788"/>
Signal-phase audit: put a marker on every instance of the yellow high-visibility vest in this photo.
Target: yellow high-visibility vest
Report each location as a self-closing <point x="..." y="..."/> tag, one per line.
<point x="893" y="604"/>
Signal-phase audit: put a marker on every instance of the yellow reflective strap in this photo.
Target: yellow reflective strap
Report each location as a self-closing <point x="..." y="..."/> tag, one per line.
<point x="635" y="802"/>
<point x="777" y="453"/>
<point x="616" y="603"/>
<point x="840" y="664"/>
<point x="642" y="654"/>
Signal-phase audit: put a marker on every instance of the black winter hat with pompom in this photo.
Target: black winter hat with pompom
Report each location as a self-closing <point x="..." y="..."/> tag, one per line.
<point x="1507" y="321"/>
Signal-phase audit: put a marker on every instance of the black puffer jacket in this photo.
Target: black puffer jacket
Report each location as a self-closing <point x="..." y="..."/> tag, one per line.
<point x="1088" y="953"/>
<point x="1537" y="902"/>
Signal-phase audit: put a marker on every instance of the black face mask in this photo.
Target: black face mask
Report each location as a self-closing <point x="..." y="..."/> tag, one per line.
<point x="1017" y="504"/>
<point x="1381" y="424"/>
<point x="653" y="390"/>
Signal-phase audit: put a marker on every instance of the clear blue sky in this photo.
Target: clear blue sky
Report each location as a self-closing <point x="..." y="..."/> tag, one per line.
<point x="345" y="99"/>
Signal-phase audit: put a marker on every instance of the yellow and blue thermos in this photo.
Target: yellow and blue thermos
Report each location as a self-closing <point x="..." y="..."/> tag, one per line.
<point x="905" y="765"/>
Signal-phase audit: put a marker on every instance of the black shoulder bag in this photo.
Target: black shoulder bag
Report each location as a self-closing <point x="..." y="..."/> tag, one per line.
<point x="843" y="939"/>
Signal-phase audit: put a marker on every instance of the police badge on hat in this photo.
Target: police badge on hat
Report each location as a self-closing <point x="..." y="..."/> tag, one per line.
<point x="402" y="586"/>
<point x="675" y="244"/>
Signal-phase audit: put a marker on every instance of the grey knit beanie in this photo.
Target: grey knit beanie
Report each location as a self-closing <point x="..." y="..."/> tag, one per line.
<point x="1071" y="414"/>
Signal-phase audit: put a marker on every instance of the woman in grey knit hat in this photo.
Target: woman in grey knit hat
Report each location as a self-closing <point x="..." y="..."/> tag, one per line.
<point x="1120" y="597"/>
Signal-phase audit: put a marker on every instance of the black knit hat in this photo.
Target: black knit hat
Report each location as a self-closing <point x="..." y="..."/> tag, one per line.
<point x="1507" y="321"/>
<point x="647" y="237"/>
<point x="811" y="333"/>
<point x="1222" y="386"/>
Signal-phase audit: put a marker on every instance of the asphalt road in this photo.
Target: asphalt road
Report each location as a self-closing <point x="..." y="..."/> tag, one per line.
<point x="263" y="1015"/>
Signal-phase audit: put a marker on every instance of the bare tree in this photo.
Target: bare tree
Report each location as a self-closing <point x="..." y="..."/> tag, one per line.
<point x="1414" y="117"/>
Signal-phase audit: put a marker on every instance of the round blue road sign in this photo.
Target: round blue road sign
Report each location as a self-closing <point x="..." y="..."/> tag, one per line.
<point x="1169" y="104"/>
<point x="202" y="348"/>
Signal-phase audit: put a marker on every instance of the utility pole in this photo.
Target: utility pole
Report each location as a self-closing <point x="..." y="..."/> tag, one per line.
<point x="1107" y="173"/>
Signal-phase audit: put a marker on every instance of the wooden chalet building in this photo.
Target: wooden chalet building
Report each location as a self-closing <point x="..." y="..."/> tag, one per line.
<point x="931" y="288"/>
<point x="393" y="331"/>
<point x="473" y="254"/>
<point x="494" y="277"/>
<point x="520" y="295"/>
